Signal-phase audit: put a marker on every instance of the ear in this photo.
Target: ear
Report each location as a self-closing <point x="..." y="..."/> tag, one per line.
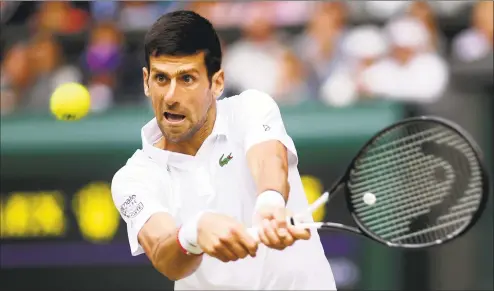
<point x="145" y="77"/>
<point x="218" y="83"/>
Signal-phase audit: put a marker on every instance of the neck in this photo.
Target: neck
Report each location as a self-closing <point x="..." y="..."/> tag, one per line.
<point x="192" y="145"/>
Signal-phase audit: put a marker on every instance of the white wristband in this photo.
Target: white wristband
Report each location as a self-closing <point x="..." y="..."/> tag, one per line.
<point x="269" y="198"/>
<point x="187" y="236"/>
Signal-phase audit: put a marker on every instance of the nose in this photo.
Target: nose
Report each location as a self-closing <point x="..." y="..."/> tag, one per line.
<point x="170" y="95"/>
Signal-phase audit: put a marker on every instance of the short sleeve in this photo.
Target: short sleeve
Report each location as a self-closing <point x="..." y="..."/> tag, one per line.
<point x="261" y="121"/>
<point x="135" y="194"/>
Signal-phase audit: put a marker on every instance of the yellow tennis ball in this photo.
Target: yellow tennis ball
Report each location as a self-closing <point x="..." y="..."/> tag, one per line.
<point x="70" y="101"/>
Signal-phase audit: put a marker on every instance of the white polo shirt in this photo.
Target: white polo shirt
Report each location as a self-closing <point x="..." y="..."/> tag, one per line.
<point x="154" y="180"/>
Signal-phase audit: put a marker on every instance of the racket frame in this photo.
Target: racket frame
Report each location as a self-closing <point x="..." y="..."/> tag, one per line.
<point x="342" y="182"/>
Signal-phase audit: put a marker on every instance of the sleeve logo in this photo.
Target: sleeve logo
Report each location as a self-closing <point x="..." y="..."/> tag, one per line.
<point x="131" y="207"/>
<point x="266" y="127"/>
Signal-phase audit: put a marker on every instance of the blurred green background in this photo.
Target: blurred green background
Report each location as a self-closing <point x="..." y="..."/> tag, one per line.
<point x="59" y="228"/>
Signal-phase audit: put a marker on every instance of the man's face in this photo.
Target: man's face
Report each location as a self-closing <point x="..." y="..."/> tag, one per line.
<point x="181" y="93"/>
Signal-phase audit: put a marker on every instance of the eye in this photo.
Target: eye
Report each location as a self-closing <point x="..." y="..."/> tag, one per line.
<point x="160" y="78"/>
<point x="187" y="78"/>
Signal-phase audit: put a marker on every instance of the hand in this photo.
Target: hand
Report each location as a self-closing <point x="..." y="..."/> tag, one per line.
<point x="274" y="231"/>
<point x="224" y="238"/>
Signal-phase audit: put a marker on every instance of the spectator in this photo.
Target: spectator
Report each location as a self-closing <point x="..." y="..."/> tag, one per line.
<point x="227" y="14"/>
<point x="15" y="77"/>
<point x="319" y="45"/>
<point x="422" y="11"/>
<point x="50" y="70"/>
<point x="292" y="85"/>
<point x="412" y="72"/>
<point x="59" y="17"/>
<point x="254" y="62"/>
<point x="102" y="59"/>
<point x="140" y="15"/>
<point x="219" y="13"/>
<point x="385" y="9"/>
<point x="477" y="41"/>
<point x="362" y="47"/>
<point x="104" y="10"/>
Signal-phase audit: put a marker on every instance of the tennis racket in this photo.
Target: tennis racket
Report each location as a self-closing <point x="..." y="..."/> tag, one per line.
<point x="418" y="183"/>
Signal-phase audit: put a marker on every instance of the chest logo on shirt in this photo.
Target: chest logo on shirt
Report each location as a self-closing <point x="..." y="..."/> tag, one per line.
<point x="225" y="160"/>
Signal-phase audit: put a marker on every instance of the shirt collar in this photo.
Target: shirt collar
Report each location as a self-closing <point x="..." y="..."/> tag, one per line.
<point x="151" y="133"/>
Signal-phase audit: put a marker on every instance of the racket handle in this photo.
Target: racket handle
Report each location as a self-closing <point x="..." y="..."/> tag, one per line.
<point x="254" y="233"/>
<point x="296" y="220"/>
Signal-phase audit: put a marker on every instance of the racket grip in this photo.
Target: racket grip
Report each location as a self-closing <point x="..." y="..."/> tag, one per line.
<point x="254" y="233"/>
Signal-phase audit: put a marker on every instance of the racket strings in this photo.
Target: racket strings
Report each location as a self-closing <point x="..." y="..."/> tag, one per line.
<point x="372" y="166"/>
<point x="415" y="171"/>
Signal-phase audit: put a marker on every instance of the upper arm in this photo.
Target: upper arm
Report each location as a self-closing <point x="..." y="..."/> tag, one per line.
<point x="135" y="193"/>
<point x="259" y="122"/>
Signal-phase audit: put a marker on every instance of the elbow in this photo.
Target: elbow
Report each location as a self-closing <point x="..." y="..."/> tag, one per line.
<point x="169" y="265"/>
<point x="170" y="271"/>
<point x="164" y="265"/>
<point x="172" y="276"/>
<point x="175" y="273"/>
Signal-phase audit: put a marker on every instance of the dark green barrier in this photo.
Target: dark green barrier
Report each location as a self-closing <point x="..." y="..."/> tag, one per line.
<point x="52" y="169"/>
<point x="29" y="143"/>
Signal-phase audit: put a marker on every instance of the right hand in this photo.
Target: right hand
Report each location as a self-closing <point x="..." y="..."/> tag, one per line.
<point x="224" y="238"/>
<point x="274" y="232"/>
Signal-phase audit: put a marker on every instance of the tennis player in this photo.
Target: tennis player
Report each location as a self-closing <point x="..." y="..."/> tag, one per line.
<point x="210" y="169"/>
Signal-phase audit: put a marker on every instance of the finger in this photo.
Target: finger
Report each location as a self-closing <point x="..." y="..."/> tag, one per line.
<point x="279" y="215"/>
<point x="262" y="236"/>
<point x="227" y="254"/>
<point x="288" y="238"/>
<point x="250" y="246"/>
<point x="282" y="232"/>
<point x="246" y="241"/>
<point x="237" y="249"/>
<point x="221" y="257"/>
<point x="223" y="248"/>
<point x="269" y="228"/>
<point x="221" y="254"/>
<point x="270" y="238"/>
<point x="285" y="237"/>
<point x="299" y="233"/>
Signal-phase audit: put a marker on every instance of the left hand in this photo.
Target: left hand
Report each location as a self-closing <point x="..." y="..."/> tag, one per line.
<point x="274" y="231"/>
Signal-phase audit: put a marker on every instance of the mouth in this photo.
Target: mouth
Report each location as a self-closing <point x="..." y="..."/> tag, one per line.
<point x="174" y="118"/>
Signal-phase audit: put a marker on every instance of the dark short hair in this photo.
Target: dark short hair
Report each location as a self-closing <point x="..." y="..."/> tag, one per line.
<point x="184" y="33"/>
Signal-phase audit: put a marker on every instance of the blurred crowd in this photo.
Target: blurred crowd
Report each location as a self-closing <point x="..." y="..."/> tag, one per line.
<point x="295" y="51"/>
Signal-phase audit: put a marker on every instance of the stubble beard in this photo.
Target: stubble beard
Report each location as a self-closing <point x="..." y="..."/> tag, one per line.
<point x="191" y="132"/>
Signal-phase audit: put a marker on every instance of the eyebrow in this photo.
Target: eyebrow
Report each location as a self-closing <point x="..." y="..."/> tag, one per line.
<point x="176" y="73"/>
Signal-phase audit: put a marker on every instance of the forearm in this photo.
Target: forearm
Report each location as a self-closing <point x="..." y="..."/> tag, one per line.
<point x="268" y="163"/>
<point x="169" y="259"/>
<point x="272" y="174"/>
<point x="158" y="237"/>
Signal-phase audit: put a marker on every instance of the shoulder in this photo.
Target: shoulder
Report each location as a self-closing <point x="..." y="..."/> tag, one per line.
<point x="138" y="171"/>
<point x="250" y="100"/>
